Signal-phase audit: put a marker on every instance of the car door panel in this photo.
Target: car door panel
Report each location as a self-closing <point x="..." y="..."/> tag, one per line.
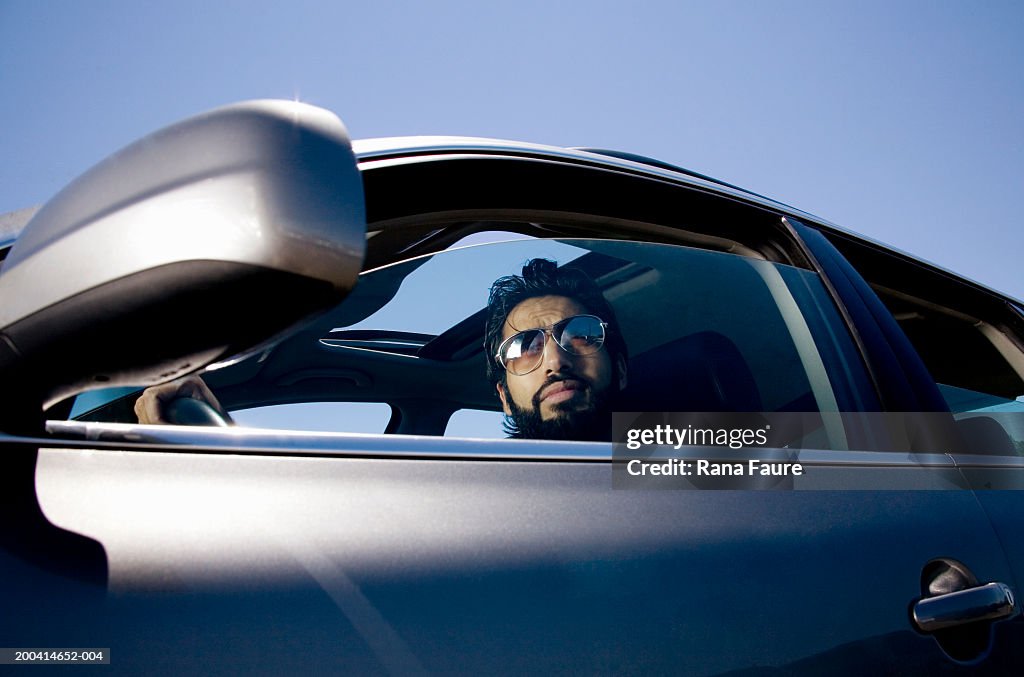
<point x="501" y="566"/>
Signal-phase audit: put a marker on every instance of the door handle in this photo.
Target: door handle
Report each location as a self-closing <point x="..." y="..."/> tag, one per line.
<point x="989" y="602"/>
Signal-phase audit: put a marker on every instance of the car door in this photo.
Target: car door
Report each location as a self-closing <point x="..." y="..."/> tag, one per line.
<point x="970" y="339"/>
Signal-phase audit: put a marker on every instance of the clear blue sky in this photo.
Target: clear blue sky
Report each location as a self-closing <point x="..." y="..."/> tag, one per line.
<point x="900" y="120"/>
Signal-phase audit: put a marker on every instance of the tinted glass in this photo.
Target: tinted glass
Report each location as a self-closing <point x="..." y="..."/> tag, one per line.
<point x="705" y="330"/>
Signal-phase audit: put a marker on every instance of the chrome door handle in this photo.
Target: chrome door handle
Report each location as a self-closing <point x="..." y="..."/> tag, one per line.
<point x="989" y="602"/>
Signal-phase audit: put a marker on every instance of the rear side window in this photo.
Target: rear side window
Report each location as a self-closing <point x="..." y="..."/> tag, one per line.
<point x="353" y="417"/>
<point x="978" y="366"/>
<point x="971" y="341"/>
<point x="477" y="423"/>
<point x="976" y="358"/>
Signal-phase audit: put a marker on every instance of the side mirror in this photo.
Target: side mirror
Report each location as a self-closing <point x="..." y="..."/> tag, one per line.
<point x="201" y="241"/>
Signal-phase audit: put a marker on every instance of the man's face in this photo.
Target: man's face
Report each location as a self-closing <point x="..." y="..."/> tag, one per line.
<point x="566" y="391"/>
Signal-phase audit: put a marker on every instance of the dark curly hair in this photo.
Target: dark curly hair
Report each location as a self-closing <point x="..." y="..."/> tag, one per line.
<point x="542" y="277"/>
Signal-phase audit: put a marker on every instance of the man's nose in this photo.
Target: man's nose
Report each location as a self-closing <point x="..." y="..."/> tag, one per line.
<point x="555" y="359"/>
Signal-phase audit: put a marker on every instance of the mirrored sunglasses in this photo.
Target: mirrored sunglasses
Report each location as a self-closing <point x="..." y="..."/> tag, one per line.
<point x="521" y="353"/>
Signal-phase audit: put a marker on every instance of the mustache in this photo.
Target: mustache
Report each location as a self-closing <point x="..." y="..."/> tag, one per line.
<point x="555" y="378"/>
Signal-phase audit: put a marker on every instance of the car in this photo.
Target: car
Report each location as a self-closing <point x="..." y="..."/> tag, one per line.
<point x="367" y="514"/>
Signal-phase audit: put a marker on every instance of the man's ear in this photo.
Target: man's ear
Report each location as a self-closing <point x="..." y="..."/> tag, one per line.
<point x="502" y="396"/>
<point x="620" y="364"/>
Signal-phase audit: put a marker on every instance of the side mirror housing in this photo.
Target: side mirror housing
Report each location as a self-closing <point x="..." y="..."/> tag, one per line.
<point x="201" y="241"/>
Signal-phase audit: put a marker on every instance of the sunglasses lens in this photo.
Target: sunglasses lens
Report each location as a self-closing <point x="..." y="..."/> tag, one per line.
<point x="523" y="351"/>
<point x="582" y="335"/>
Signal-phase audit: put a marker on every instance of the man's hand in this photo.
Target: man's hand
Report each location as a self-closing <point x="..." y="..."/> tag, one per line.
<point x="151" y="405"/>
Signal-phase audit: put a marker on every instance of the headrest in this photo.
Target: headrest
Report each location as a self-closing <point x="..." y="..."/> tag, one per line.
<point x="700" y="372"/>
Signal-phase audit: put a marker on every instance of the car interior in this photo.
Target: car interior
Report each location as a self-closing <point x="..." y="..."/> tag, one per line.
<point x="707" y="328"/>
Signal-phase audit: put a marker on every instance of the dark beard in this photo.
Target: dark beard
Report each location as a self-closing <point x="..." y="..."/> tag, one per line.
<point x="589" y="425"/>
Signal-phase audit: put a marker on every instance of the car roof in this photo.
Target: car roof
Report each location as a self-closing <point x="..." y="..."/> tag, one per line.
<point x="373" y="149"/>
<point x="385" y="148"/>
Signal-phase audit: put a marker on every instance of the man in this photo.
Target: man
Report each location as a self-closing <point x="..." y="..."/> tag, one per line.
<point x="554" y="354"/>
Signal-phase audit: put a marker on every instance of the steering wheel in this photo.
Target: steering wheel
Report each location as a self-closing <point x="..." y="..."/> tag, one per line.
<point x="189" y="411"/>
